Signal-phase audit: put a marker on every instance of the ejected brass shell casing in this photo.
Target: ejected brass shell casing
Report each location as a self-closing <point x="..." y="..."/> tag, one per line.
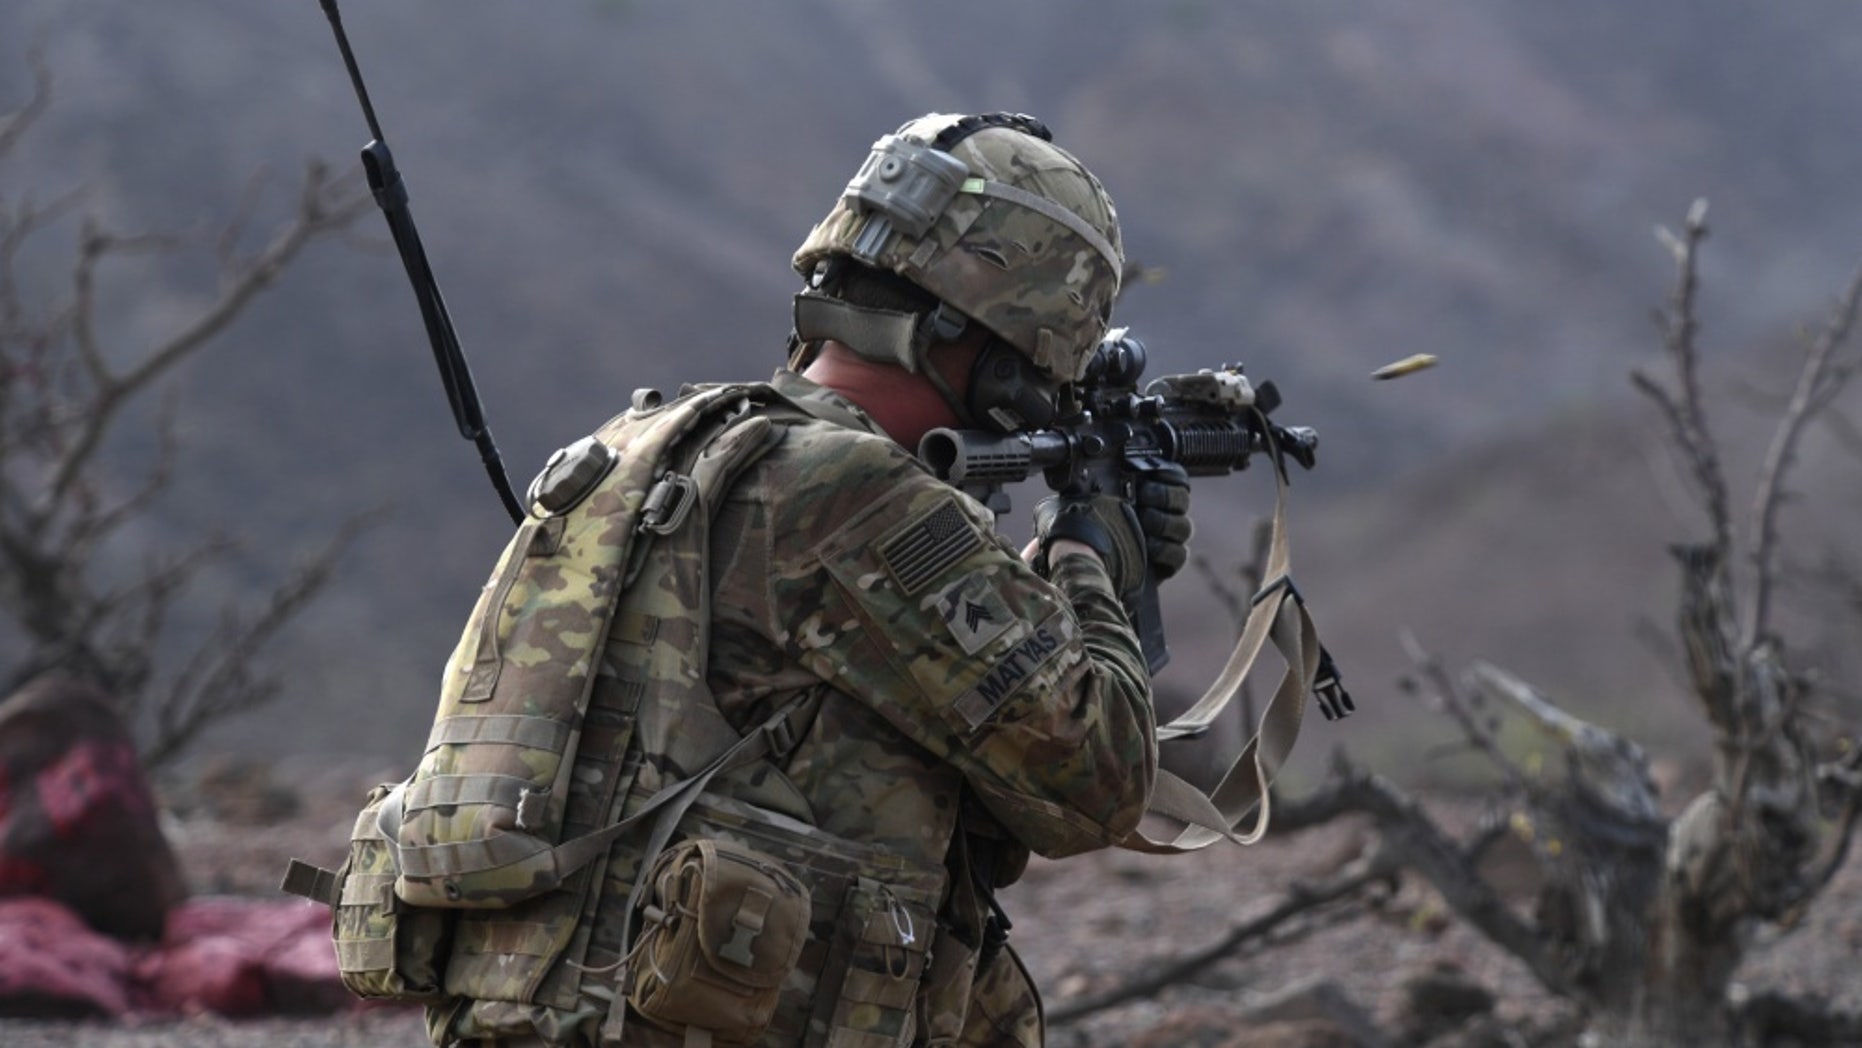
<point x="1407" y="365"/>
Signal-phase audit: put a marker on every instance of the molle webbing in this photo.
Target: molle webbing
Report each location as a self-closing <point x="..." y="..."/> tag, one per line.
<point x="484" y="822"/>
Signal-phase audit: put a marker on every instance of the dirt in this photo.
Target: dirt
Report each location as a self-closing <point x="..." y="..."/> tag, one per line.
<point x="1084" y="926"/>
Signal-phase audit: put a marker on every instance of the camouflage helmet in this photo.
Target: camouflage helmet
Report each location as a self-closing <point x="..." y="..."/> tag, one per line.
<point x="991" y="217"/>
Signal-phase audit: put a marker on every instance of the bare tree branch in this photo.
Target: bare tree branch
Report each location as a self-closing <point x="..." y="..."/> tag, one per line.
<point x="1378" y="864"/>
<point x="319" y="210"/>
<point x="1425" y="847"/>
<point x="1821" y="378"/>
<point x="1684" y="411"/>
<point x="1640" y="919"/>
<point x="66" y="380"/>
<point x="14" y="124"/>
<point x="17" y="227"/>
<point x="221" y="680"/>
<point x="1449" y="699"/>
<point x="90" y="529"/>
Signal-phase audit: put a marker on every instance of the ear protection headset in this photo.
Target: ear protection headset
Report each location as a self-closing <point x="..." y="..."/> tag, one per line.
<point x="1006" y="392"/>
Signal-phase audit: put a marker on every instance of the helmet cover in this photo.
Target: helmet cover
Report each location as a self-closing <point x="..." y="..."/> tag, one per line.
<point x="1016" y="234"/>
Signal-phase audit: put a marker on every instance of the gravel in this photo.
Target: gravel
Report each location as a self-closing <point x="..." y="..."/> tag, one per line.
<point x="1083" y="926"/>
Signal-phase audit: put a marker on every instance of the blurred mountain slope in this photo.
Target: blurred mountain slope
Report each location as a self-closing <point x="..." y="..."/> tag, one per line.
<point x="609" y="193"/>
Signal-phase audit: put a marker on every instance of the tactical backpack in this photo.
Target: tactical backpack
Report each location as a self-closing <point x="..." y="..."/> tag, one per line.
<point x="617" y="528"/>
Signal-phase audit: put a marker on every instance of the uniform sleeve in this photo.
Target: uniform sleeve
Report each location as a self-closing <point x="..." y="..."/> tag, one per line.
<point x="905" y="598"/>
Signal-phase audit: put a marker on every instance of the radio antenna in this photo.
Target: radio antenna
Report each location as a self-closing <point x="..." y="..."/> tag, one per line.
<point x="390" y="192"/>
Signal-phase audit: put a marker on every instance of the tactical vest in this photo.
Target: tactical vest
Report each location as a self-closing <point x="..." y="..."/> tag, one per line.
<point x="558" y="848"/>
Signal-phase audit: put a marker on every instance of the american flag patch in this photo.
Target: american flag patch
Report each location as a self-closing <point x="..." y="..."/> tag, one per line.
<point x="923" y="550"/>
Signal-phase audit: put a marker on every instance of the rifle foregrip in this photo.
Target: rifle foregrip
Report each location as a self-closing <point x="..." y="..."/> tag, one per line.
<point x="1210" y="446"/>
<point x="981" y="459"/>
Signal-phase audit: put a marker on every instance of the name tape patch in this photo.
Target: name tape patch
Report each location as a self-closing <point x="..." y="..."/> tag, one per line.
<point x="1017" y="665"/>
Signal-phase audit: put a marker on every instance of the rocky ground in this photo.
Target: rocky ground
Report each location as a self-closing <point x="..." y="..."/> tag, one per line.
<point x="1085" y="927"/>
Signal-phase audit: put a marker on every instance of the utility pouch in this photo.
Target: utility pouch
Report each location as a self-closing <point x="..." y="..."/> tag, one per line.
<point x="724" y="925"/>
<point x="878" y="959"/>
<point x="871" y="916"/>
<point x="949" y="981"/>
<point x="385" y="948"/>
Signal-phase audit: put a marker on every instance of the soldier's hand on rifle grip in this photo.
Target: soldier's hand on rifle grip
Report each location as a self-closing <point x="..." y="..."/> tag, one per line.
<point x="1105" y="523"/>
<point x="1162" y="499"/>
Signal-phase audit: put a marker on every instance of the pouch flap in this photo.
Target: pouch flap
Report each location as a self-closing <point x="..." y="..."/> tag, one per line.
<point x="753" y="913"/>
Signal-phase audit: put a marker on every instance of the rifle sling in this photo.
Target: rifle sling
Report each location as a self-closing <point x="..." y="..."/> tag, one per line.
<point x="1278" y="613"/>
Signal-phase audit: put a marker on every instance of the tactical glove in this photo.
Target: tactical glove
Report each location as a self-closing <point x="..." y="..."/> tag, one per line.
<point x="1162" y="499"/>
<point x="1106" y="523"/>
<point x="1148" y="533"/>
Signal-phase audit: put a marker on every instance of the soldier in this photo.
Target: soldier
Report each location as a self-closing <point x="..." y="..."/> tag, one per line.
<point x="958" y="703"/>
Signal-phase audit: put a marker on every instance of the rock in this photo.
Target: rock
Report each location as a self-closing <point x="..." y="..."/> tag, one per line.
<point x="1318" y="1010"/>
<point x="212" y="973"/>
<point x="223" y="956"/>
<point x="77" y="818"/>
<point x="53" y="965"/>
<point x="1440" y="999"/>
<point x="287" y="945"/>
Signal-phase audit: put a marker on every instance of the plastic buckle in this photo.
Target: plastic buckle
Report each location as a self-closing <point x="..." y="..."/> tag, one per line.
<point x="668" y="504"/>
<point x="781" y="737"/>
<point x="1328" y="688"/>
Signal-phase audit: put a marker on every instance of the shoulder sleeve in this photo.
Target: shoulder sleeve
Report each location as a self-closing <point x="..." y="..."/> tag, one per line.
<point x="893" y="587"/>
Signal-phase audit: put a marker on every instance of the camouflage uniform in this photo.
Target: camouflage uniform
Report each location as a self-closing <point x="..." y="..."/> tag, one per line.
<point x="977" y="680"/>
<point x="960" y="708"/>
<point x="969" y="699"/>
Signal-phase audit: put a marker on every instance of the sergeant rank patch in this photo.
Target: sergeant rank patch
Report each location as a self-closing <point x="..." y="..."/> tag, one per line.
<point x="975" y="612"/>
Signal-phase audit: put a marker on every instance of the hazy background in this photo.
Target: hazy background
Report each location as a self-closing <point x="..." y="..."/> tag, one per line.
<point x="610" y="191"/>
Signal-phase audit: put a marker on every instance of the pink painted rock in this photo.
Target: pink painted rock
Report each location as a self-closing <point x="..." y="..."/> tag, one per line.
<point x="287" y="941"/>
<point x="77" y="819"/>
<point x="53" y="965"/>
<point x="214" y="973"/>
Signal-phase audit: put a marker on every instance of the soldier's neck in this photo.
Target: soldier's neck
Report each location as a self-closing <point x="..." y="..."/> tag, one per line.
<point x="905" y="405"/>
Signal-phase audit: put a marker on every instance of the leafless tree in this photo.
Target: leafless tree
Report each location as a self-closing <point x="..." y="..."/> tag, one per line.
<point x="1642" y="920"/>
<point x="65" y="389"/>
